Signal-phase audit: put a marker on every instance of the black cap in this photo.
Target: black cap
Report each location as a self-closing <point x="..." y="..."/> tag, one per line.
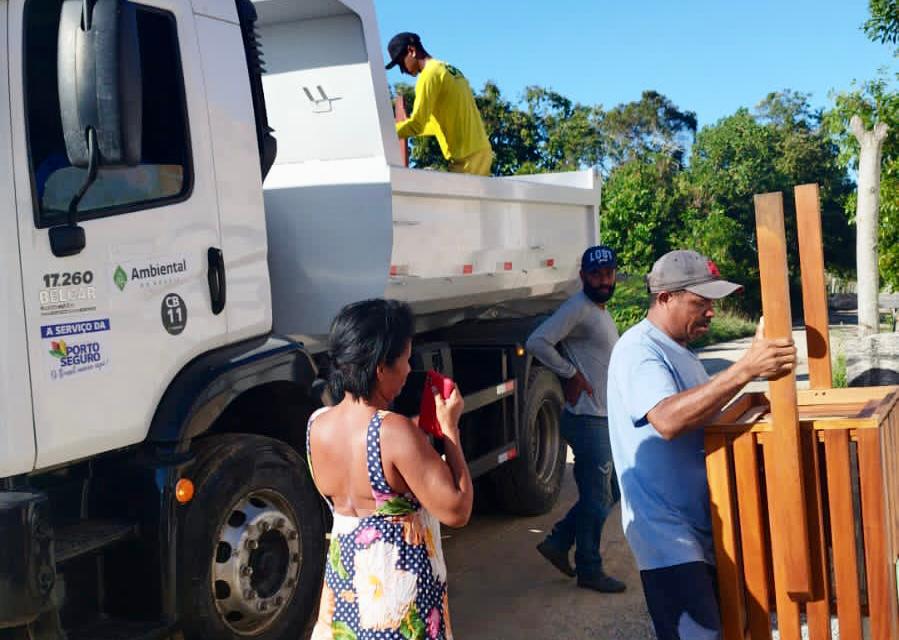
<point x="396" y="48"/>
<point x="599" y="257"/>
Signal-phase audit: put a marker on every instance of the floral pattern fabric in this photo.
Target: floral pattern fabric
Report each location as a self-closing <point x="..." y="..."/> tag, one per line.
<point x="385" y="577"/>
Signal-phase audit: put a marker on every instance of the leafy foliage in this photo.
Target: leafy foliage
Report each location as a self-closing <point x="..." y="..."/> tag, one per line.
<point x="650" y="127"/>
<point x="640" y="209"/>
<point x="883" y="25"/>
<point x="779" y="146"/>
<point x="873" y="101"/>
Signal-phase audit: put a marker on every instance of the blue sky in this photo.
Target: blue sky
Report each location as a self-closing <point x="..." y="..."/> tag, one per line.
<point x="709" y="56"/>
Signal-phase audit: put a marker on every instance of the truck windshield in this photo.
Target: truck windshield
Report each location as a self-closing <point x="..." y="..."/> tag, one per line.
<point x="163" y="174"/>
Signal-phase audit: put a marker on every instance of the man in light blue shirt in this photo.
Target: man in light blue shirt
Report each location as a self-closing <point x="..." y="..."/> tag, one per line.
<point x="659" y="400"/>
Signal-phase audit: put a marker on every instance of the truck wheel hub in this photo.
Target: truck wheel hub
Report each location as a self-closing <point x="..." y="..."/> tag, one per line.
<point x="257" y="562"/>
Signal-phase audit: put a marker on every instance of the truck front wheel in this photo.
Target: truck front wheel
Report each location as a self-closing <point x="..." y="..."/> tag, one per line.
<point x="252" y="542"/>
<point x="530" y="484"/>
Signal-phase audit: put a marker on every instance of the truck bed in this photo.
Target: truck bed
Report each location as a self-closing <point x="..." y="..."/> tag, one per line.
<point x="450" y="245"/>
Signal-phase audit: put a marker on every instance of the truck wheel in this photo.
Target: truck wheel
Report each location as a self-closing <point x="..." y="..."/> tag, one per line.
<point x="252" y="553"/>
<point x="530" y="484"/>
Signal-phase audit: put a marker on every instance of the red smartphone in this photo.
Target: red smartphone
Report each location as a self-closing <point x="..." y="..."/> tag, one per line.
<point x="427" y="415"/>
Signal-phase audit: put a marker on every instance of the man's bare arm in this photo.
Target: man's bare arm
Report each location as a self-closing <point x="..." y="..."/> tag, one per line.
<point x="691" y="409"/>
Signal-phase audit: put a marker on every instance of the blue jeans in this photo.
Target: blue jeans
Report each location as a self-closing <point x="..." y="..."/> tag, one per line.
<point x="597" y="486"/>
<point x="683" y="601"/>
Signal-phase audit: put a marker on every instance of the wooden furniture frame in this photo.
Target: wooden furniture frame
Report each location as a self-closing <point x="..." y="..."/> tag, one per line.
<point x="804" y="484"/>
<point x="850" y="459"/>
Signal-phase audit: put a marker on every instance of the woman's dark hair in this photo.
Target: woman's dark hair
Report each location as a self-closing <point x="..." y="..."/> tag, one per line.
<point x="364" y="335"/>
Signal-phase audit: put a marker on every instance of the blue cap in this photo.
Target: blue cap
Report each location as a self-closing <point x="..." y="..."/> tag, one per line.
<point x="598" y="257"/>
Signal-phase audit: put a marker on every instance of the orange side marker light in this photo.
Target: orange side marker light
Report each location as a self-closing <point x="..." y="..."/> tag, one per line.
<point x="184" y="491"/>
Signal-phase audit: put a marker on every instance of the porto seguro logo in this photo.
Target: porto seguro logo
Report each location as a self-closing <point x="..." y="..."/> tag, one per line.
<point x="75" y="354"/>
<point x="58" y="349"/>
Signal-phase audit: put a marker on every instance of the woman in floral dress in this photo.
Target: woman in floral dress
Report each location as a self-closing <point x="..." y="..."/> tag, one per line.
<point x="388" y="488"/>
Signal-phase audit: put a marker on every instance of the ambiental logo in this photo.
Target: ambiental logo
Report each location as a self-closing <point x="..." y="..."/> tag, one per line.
<point x="120" y="278"/>
<point x="151" y="273"/>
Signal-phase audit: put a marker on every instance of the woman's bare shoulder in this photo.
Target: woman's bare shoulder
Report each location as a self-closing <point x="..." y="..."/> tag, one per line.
<point x="401" y="433"/>
<point x="396" y="422"/>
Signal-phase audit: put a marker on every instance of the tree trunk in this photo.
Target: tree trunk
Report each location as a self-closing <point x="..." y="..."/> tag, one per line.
<point x="867" y="223"/>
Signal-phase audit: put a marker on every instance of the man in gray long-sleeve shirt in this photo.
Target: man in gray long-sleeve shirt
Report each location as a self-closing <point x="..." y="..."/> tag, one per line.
<point x="576" y="343"/>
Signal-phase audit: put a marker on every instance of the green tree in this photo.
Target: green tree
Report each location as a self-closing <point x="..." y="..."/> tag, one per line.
<point x="513" y="133"/>
<point x="883" y="25"/>
<point x="873" y="101"/>
<point x="568" y="134"/>
<point x="641" y="204"/>
<point x="779" y="146"/>
<point x="643" y="201"/>
<point x="650" y="126"/>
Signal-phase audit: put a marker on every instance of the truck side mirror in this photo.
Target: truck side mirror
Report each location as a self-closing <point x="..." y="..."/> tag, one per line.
<point x="99" y="77"/>
<point x="100" y="97"/>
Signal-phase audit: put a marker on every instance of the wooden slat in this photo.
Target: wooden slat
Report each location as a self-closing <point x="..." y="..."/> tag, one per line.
<point x="878" y="566"/>
<point x="814" y="296"/>
<point x="891" y="453"/>
<point x="722" y="496"/>
<point x="844" y="425"/>
<point x="740" y="406"/>
<point x="786" y="461"/>
<point x="752" y="536"/>
<point x="889" y="445"/>
<point x="842" y="532"/>
<point x="847" y="395"/>
<point x="787" y="609"/>
<point x="818" y="608"/>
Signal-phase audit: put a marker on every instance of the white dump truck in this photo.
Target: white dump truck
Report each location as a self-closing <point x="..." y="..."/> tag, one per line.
<point x="179" y="231"/>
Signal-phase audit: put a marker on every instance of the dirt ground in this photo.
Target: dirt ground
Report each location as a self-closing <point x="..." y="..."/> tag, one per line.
<point x="502" y="589"/>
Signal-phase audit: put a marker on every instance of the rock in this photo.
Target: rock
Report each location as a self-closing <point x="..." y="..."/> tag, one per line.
<point x="843" y="301"/>
<point x="872" y="360"/>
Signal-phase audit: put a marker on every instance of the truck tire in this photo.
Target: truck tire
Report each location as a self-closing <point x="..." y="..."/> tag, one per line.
<point x="530" y="484"/>
<point x="251" y="549"/>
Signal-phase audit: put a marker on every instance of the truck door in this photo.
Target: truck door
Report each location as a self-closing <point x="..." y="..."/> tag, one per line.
<point x="108" y="328"/>
<point x="16" y="427"/>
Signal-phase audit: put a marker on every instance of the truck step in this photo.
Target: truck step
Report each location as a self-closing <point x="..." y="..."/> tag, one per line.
<point x="113" y="629"/>
<point x="90" y="536"/>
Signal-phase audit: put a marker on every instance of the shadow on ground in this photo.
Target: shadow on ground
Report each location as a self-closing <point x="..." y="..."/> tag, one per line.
<point x="502" y="589"/>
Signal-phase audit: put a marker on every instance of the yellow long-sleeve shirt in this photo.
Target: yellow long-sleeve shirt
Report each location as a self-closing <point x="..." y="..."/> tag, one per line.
<point x="445" y="107"/>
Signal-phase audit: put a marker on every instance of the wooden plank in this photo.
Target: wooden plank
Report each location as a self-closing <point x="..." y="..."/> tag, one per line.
<point x="787" y="609"/>
<point x="848" y="395"/>
<point x="786" y="461"/>
<point x="842" y="533"/>
<point x="844" y="425"/>
<point x="752" y="536"/>
<point x="891" y="482"/>
<point x="722" y="497"/>
<point x="818" y="608"/>
<point x="738" y="407"/>
<point x="878" y="566"/>
<point x="754" y="414"/>
<point x="814" y="295"/>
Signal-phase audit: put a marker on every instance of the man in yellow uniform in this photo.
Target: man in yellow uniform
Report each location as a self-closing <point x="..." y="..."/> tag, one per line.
<point x="444" y="107"/>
